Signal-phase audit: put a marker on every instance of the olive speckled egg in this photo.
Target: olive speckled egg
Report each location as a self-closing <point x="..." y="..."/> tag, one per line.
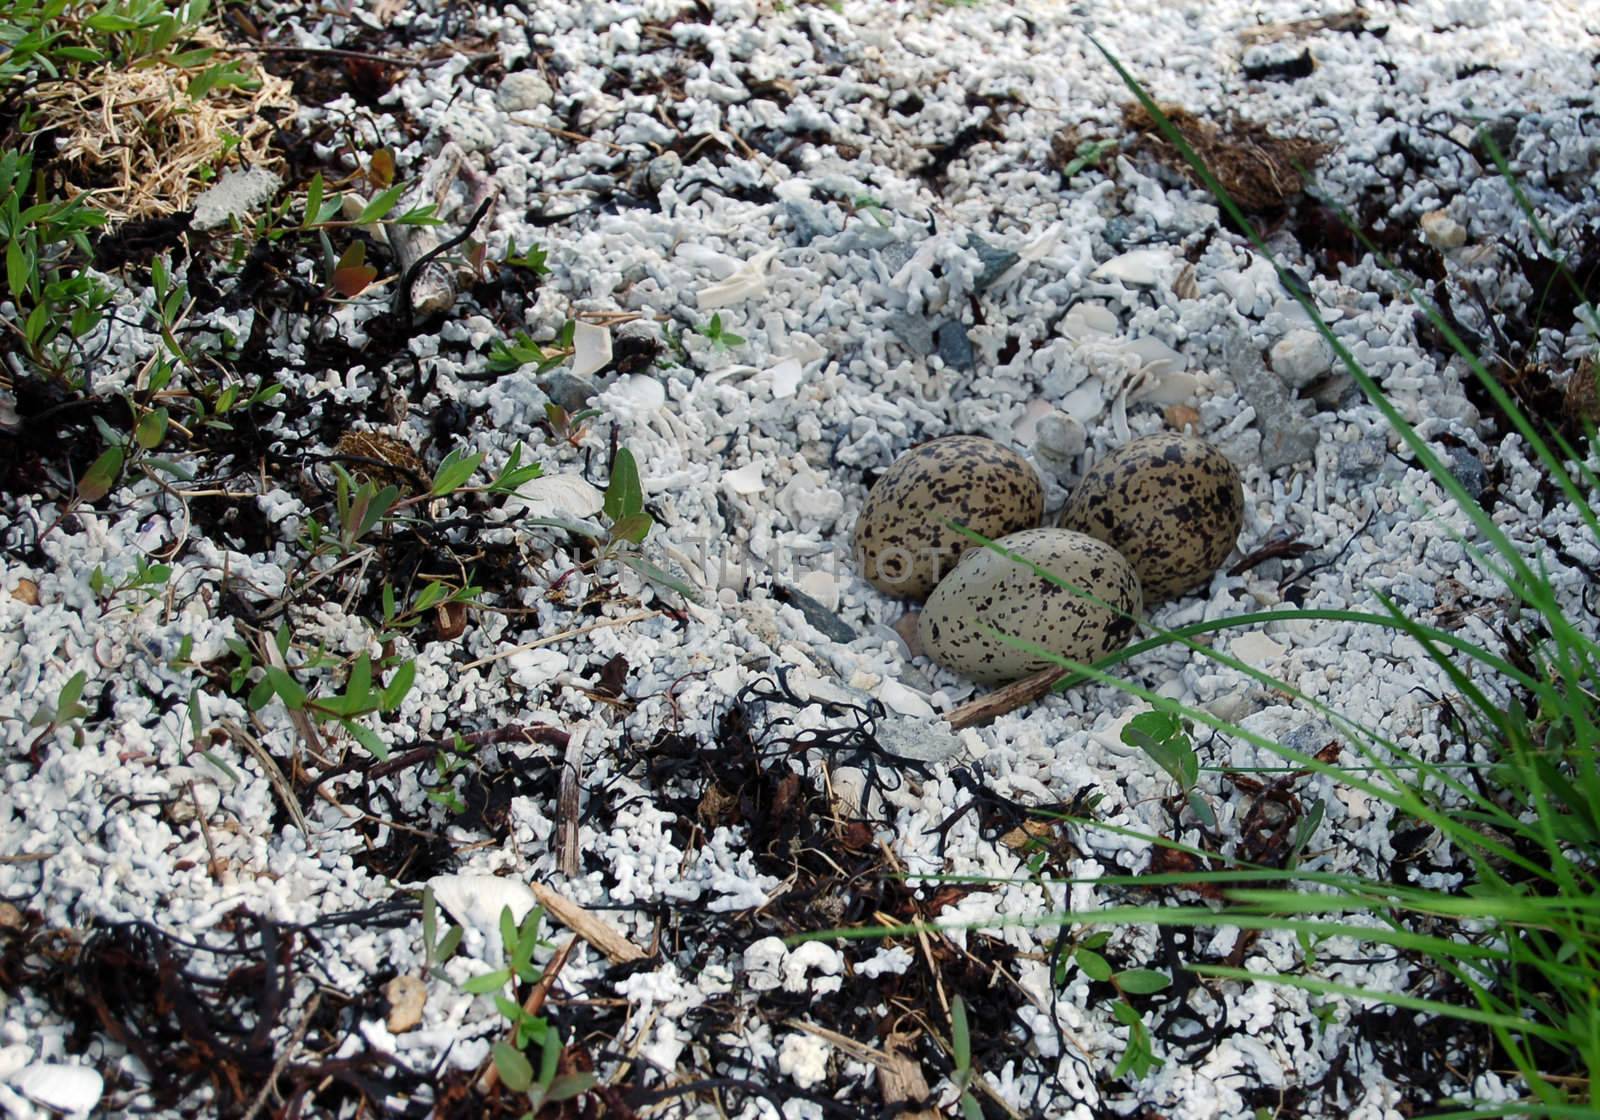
<point x="902" y="544"/>
<point x="988" y="589"/>
<point x="1172" y="504"/>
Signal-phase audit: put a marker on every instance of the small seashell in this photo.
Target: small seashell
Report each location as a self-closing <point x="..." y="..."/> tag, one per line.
<point x="555" y="495"/>
<point x="1140" y="267"/>
<point x="591" y="348"/>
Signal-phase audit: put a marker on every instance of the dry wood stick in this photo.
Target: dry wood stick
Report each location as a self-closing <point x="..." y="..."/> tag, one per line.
<point x="1002" y="700"/>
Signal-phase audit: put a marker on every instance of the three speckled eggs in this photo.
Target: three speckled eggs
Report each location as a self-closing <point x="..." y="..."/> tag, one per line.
<point x="1151" y="520"/>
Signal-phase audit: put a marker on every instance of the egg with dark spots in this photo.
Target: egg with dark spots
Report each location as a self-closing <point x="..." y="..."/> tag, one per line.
<point x="1093" y="615"/>
<point x="903" y="545"/>
<point x="1172" y="504"/>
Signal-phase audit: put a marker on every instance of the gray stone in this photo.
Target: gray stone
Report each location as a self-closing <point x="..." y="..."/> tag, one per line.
<point x="916" y="331"/>
<point x="1300" y="357"/>
<point x="524" y="89"/>
<point x="925" y="740"/>
<point x="1469" y="471"/>
<point x="809" y="220"/>
<point x="568" y="390"/>
<point x="662" y="170"/>
<point x="1117" y="231"/>
<point x="1337" y="390"/>
<point x="1286" y="435"/>
<point x="1363" y="457"/>
<point x="995" y="262"/>
<point x="819" y="616"/>
<point x="1309" y="738"/>
<point x="954" y="345"/>
<point x="234" y="195"/>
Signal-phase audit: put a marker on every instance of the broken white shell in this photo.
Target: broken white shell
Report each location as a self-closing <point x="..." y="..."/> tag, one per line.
<point x="746" y="282"/>
<point x="1140" y="267"/>
<point x="556" y="495"/>
<point x="591" y="348"/>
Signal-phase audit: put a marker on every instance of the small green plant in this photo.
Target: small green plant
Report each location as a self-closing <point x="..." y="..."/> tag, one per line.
<point x="568" y="427"/>
<point x="146" y="577"/>
<point x="871" y="207"/>
<point x="521" y="350"/>
<point x="436" y="948"/>
<point x="345" y="709"/>
<point x="961" y="1054"/>
<point x="527" y="1029"/>
<point x="66" y="711"/>
<point x="446" y="765"/>
<point x="631" y="524"/>
<point x="1089" y="153"/>
<point x="532" y="259"/>
<point x="721" y="338"/>
<point x="1167" y="739"/>
<point x="1138" y="1058"/>
<point x="56" y="301"/>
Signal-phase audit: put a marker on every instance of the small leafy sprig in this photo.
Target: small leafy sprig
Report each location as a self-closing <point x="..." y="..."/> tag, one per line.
<point x="360" y="697"/>
<point x="631" y="524"/>
<point x="1138" y="1057"/>
<point x="720" y="337"/>
<point x="436" y="948"/>
<point x="67" y="710"/>
<point x="1167" y="739"/>
<point x="521" y="350"/>
<point x="532" y="259"/>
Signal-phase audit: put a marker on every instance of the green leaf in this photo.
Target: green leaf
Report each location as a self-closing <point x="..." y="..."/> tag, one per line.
<point x="260" y="695"/>
<point x="313" y="200"/>
<point x="358" y="688"/>
<point x="1143" y="981"/>
<point x="634" y="527"/>
<point x="286" y="688"/>
<point x="1094" y="966"/>
<point x="624" y="494"/>
<point x="515" y="1070"/>
<point x="380" y="205"/>
<point x="454" y="471"/>
<point x="960" y="1036"/>
<point x="508" y="932"/>
<point x="367" y="738"/>
<point x="152" y="429"/>
<point x="102" y="475"/>
<point x="71" y="692"/>
<point x="399" y="685"/>
<point x="660" y="577"/>
<point x="570" y="1085"/>
<point x="18" y="272"/>
<point x="486" y="982"/>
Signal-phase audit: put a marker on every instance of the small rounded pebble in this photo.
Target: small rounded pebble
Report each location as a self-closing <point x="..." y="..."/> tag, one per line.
<point x="903" y="545"/>
<point x="990" y="590"/>
<point x="1172" y="504"/>
<point x="407" y="996"/>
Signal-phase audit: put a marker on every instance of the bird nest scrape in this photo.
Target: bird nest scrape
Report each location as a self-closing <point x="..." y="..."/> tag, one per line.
<point x="1259" y="170"/>
<point x="137" y="140"/>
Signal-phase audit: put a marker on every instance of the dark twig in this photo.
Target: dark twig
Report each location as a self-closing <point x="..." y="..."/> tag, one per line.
<point x="403" y="293"/>
<point x="535" y="733"/>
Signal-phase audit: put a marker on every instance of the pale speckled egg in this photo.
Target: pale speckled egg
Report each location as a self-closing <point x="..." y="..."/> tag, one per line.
<point x="1172" y="504"/>
<point x="902" y="544"/>
<point x="987" y="589"/>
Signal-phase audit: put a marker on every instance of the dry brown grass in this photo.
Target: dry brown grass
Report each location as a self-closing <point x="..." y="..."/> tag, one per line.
<point x="1261" y="171"/>
<point x="134" y="141"/>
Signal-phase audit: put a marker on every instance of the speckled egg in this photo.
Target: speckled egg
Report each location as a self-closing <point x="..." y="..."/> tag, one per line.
<point x="902" y="543"/>
<point x="987" y="589"/>
<point x="1172" y="504"/>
